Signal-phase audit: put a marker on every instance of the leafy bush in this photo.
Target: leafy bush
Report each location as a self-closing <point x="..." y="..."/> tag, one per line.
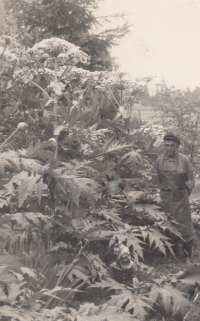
<point x="65" y="198"/>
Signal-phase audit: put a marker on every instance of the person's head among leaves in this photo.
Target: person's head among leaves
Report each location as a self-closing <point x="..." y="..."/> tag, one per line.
<point x="123" y="255"/>
<point x="123" y="270"/>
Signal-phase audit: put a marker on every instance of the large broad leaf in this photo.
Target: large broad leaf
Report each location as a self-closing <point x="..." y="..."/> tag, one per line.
<point x="111" y="285"/>
<point x="4" y="198"/>
<point x="173" y="300"/>
<point x="170" y="226"/>
<point x="18" y="162"/>
<point x="94" y="232"/>
<point x="9" y="160"/>
<point x="91" y="312"/>
<point x="53" y="292"/>
<point x="38" y="151"/>
<point x="27" y="219"/>
<point x="129" y="301"/>
<point x="4" y="163"/>
<point x="11" y="313"/>
<point x="71" y="183"/>
<point x="15" y="290"/>
<point x="110" y="216"/>
<point x="81" y="167"/>
<point x="154" y="211"/>
<point x="157" y="239"/>
<point x="31" y="165"/>
<point x="15" y="274"/>
<point x="10" y="260"/>
<point x="132" y="158"/>
<point x="111" y="147"/>
<point x="27" y="187"/>
<point x="27" y="184"/>
<point x="133" y="196"/>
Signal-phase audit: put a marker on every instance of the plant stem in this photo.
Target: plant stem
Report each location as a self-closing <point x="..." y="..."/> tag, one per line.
<point x="56" y="68"/>
<point x="67" y="98"/>
<point x="9" y="138"/>
<point x="195" y="136"/>
<point x="67" y="270"/>
<point x="114" y="98"/>
<point x="55" y="113"/>
<point x="109" y="100"/>
<point x="121" y="94"/>
<point x="38" y="86"/>
<point x="3" y="52"/>
<point x="37" y="34"/>
<point x="66" y="69"/>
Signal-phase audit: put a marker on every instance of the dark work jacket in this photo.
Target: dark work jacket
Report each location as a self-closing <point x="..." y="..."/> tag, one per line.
<point x="121" y="275"/>
<point x="175" y="174"/>
<point x="176" y="182"/>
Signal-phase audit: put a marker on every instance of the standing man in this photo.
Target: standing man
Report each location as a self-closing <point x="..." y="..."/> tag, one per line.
<point x="176" y="180"/>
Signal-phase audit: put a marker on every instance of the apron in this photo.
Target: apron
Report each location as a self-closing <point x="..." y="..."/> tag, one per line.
<point x="175" y="201"/>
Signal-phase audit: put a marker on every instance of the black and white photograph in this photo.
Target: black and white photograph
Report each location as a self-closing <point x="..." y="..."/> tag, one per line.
<point x="99" y="160"/>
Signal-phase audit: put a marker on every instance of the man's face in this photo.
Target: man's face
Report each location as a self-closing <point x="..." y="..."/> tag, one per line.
<point x="125" y="259"/>
<point x="170" y="147"/>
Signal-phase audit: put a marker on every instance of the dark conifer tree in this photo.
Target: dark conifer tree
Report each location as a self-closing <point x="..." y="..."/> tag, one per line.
<point x="74" y="21"/>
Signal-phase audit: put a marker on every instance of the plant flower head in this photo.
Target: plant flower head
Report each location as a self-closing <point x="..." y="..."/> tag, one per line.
<point x="57" y="87"/>
<point x="22" y="126"/>
<point x="59" y="48"/>
<point x="10" y="57"/>
<point x="24" y="75"/>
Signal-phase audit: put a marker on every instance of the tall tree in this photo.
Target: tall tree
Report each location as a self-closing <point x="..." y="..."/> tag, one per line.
<point x="74" y="21"/>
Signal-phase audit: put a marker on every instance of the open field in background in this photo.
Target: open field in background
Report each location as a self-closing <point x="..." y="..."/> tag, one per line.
<point x="146" y="113"/>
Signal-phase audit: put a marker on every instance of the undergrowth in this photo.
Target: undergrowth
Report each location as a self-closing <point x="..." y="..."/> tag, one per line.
<point x="65" y="197"/>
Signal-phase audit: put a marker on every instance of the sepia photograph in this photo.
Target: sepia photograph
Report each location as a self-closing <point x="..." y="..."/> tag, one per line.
<point x="99" y="160"/>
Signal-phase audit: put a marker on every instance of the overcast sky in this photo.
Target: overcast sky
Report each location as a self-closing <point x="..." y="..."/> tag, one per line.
<point x="164" y="41"/>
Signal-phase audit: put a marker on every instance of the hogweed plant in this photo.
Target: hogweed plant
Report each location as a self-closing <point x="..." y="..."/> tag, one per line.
<point x="74" y="186"/>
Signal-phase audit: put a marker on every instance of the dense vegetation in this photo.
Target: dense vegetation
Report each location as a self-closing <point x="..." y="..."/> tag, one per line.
<point x="77" y="171"/>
